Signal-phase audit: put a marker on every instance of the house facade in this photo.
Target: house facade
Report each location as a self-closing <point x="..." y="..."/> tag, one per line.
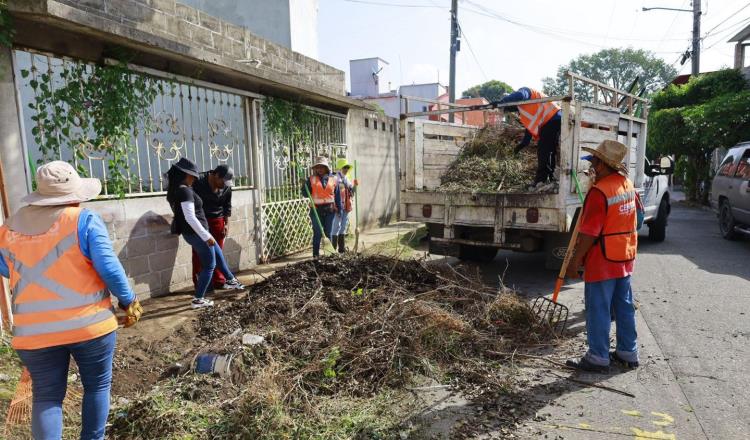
<point x="197" y="86"/>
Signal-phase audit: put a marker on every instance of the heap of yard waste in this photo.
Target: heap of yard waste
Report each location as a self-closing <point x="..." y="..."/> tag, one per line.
<point x="344" y="342"/>
<point x="487" y="163"/>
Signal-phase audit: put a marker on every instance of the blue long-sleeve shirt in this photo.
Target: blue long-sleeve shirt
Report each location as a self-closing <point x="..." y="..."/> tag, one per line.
<point x="95" y="245"/>
<point x="523" y="94"/>
<point x="307" y="190"/>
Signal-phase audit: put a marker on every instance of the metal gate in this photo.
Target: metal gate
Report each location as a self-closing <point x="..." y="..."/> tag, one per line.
<point x="285" y="220"/>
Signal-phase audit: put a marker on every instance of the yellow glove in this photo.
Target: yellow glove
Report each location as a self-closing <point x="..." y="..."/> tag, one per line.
<point x="133" y="313"/>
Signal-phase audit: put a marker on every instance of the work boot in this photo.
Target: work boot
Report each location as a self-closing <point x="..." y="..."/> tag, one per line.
<point x="342" y="244"/>
<point x="614" y="357"/>
<point x="334" y="241"/>
<point x="585" y="365"/>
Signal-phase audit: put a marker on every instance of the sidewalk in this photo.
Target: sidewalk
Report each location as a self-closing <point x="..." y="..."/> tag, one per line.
<point x="659" y="409"/>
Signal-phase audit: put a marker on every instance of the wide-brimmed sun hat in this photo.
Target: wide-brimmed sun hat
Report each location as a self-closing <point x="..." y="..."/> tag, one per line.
<point x="611" y="153"/>
<point x="322" y="161"/>
<point x="187" y="166"/>
<point x="58" y="183"/>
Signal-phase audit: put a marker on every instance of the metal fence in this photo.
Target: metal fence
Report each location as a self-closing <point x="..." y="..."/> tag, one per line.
<point x="286" y="165"/>
<point x="207" y="125"/>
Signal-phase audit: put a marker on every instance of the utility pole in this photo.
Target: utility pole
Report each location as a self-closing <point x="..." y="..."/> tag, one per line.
<point x="454" y="49"/>
<point x="696" y="55"/>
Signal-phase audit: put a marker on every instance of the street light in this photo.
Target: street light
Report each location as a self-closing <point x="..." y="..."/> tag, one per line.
<point x="696" y="53"/>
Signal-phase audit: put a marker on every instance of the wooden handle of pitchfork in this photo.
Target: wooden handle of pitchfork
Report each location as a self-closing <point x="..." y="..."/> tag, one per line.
<point x="566" y="261"/>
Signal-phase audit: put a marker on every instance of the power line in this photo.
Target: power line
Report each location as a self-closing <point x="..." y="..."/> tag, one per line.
<point x="726" y="20"/>
<point x="396" y="5"/>
<point x="726" y="31"/>
<point x="476" y="60"/>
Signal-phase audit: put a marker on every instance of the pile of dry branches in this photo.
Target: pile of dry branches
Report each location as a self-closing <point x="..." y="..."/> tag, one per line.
<point x="488" y="163"/>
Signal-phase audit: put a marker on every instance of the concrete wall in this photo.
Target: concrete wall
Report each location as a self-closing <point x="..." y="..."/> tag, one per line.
<point x="364" y="77"/>
<point x="157" y="262"/>
<point x="177" y="30"/>
<point x="429" y="91"/>
<point x="266" y="18"/>
<point x="391" y="105"/>
<point x="376" y="152"/>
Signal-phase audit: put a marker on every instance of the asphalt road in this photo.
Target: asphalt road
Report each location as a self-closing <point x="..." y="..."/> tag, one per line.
<point x="694" y="336"/>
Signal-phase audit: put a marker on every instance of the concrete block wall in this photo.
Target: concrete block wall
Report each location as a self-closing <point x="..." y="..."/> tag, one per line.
<point x="157" y="262"/>
<point x="183" y="29"/>
<point x="373" y="138"/>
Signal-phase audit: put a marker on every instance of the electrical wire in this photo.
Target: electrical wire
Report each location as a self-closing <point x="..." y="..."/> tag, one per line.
<point x="476" y="60"/>
<point x="397" y="5"/>
<point x="726" y="20"/>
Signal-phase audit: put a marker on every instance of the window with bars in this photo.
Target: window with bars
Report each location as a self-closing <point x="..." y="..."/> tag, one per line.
<point x="204" y="124"/>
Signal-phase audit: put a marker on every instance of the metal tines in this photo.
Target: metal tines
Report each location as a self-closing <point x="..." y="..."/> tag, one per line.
<point x="551" y="314"/>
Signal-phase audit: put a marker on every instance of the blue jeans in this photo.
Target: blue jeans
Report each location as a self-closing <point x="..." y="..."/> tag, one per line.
<point x="340" y="222"/>
<point x="326" y="219"/>
<point x="211" y="257"/>
<point x="600" y="297"/>
<point x="49" y="378"/>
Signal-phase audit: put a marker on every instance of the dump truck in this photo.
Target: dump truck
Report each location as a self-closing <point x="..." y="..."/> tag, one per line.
<point x="475" y="225"/>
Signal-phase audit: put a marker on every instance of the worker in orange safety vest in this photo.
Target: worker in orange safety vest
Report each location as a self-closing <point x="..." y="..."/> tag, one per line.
<point x="322" y="188"/>
<point x="542" y="123"/>
<point x="62" y="269"/>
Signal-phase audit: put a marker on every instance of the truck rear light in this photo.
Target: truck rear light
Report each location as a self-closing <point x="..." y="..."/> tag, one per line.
<point x="426" y="211"/>
<point x="532" y="215"/>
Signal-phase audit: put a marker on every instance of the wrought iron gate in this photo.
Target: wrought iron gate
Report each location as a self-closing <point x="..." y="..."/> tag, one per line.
<point x="285" y="221"/>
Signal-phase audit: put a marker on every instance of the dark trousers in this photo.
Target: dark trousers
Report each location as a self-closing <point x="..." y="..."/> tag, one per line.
<point x="326" y="215"/>
<point x="216" y="228"/>
<point x="546" y="154"/>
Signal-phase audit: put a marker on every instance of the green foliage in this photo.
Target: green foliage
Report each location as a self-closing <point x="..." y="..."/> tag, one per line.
<point x="491" y="90"/>
<point x="615" y="67"/>
<point x="690" y="121"/>
<point x="288" y="120"/>
<point x="93" y="110"/>
<point x="699" y="90"/>
<point x="7" y="30"/>
<point x="329" y="363"/>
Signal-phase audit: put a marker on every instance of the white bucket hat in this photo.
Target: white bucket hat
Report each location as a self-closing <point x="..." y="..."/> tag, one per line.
<point x="58" y="183"/>
<point x="322" y="160"/>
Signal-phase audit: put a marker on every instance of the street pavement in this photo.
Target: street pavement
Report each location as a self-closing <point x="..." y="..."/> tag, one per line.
<point x="694" y="337"/>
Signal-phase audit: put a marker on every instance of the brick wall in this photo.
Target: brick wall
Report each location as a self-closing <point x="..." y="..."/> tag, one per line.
<point x="157" y="262"/>
<point x="181" y="28"/>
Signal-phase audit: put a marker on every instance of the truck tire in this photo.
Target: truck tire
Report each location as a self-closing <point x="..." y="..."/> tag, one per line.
<point x="479" y="254"/>
<point x="657" y="230"/>
<point x="726" y="221"/>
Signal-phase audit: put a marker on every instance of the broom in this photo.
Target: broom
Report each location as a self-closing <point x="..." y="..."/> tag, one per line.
<point x="19" y="411"/>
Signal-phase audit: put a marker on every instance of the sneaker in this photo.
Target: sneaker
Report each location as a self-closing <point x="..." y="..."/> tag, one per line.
<point x="614" y="357"/>
<point x="585" y="365"/>
<point x="234" y="284"/>
<point x="199" y="303"/>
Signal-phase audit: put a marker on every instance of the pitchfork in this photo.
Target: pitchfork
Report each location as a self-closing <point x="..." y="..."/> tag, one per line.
<point x="549" y="311"/>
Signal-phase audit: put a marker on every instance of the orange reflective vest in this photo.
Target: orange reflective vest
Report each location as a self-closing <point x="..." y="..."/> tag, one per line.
<point x="323" y="195"/>
<point x="619" y="236"/>
<point x="534" y="116"/>
<point x="57" y="296"/>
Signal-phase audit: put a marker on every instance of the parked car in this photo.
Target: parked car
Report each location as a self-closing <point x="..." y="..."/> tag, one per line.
<point x="730" y="192"/>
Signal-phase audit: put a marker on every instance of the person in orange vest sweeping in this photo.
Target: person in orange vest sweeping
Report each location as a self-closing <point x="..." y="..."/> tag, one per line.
<point x="542" y="123"/>
<point x="322" y="188"/>
<point x="62" y="270"/>
<point x="606" y="249"/>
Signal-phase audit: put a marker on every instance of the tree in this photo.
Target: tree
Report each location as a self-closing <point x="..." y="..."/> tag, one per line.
<point x="491" y="90"/>
<point x="690" y="121"/>
<point x="614" y="67"/>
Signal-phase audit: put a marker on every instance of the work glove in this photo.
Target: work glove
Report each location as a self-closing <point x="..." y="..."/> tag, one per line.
<point x="133" y="313"/>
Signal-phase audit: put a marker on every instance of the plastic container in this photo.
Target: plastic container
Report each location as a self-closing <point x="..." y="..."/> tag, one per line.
<point x="212" y="363"/>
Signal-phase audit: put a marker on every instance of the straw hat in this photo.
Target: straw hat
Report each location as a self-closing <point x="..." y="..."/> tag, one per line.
<point x="58" y="183"/>
<point x="611" y="153"/>
<point x="322" y="160"/>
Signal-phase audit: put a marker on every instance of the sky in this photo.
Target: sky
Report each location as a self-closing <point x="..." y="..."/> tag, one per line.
<point x="516" y="41"/>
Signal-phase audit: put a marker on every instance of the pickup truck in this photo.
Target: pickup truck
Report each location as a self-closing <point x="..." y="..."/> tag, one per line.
<point x="474" y="225"/>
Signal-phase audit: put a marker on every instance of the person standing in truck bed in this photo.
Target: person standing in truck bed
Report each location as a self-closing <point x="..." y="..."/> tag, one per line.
<point x="542" y="123"/>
